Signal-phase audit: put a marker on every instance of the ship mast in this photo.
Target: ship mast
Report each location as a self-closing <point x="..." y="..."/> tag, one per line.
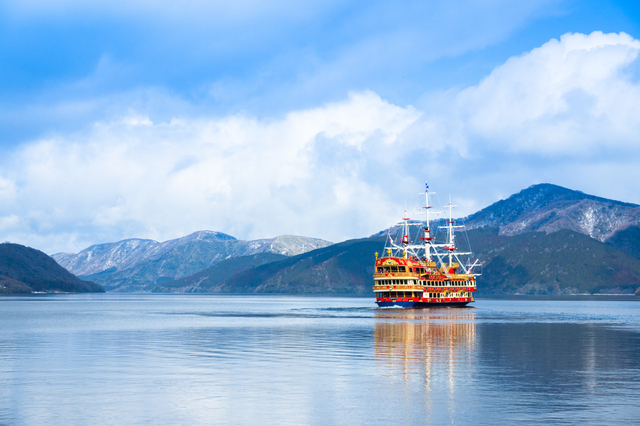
<point x="451" y="246"/>
<point x="405" y="238"/>
<point x="433" y="252"/>
<point x="427" y="231"/>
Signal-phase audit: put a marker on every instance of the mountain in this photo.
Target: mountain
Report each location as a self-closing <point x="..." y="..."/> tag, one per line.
<point x="343" y="268"/>
<point x="627" y="240"/>
<point x="23" y="270"/>
<point x="562" y="262"/>
<point x="140" y="265"/>
<point x="544" y="240"/>
<point x="211" y="278"/>
<point x="550" y="208"/>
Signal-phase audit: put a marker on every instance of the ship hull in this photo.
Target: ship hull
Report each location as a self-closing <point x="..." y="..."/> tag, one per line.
<point x="403" y="304"/>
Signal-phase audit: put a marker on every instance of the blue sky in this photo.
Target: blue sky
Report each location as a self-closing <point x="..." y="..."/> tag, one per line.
<point x="154" y="120"/>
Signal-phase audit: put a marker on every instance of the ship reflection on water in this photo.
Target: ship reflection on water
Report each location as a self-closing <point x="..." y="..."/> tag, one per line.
<point x="429" y="351"/>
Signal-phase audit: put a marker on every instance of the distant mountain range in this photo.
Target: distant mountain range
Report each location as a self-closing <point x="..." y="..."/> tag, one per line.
<point x="25" y="270"/>
<point x="140" y="265"/>
<point x="343" y="268"/>
<point x="543" y="240"/>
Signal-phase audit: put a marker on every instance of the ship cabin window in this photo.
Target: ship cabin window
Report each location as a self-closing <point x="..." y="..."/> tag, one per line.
<point x="386" y="269"/>
<point x="394" y="269"/>
<point x="410" y="269"/>
<point x="379" y="269"/>
<point x="402" y="269"/>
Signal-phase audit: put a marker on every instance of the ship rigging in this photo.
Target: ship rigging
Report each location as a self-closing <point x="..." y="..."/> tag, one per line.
<point x="427" y="273"/>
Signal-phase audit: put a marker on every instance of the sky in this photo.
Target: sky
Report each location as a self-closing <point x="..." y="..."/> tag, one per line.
<point x="141" y="119"/>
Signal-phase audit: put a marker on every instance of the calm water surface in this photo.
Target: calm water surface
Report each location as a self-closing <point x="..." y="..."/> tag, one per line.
<point x="167" y="360"/>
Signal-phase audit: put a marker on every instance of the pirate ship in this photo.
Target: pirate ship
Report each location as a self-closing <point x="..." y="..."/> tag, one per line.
<point x="427" y="273"/>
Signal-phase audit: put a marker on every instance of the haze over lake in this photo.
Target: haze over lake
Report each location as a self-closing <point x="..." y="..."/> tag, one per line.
<point x="210" y="359"/>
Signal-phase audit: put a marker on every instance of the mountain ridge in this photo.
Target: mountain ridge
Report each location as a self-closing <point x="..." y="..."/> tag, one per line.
<point x="549" y="208"/>
<point x="502" y="234"/>
<point x="534" y="242"/>
<point x="140" y="265"/>
<point x="25" y="270"/>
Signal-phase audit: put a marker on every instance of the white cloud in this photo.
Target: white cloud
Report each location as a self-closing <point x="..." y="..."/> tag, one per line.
<point x="236" y="174"/>
<point x="564" y="113"/>
<point x="7" y="191"/>
<point x="565" y="97"/>
<point x="558" y="113"/>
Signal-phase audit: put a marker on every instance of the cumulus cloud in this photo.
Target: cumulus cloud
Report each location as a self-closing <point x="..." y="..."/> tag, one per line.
<point x="565" y="97"/>
<point x="300" y="174"/>
<point x="340" y="170"/>
<point x="564" y="112"/>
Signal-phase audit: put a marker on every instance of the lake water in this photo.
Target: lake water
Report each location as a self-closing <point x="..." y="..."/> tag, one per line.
<point x="111" y="359"/>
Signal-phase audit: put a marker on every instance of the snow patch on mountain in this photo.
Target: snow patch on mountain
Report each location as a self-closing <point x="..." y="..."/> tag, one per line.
<point x="127" y="254"/>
